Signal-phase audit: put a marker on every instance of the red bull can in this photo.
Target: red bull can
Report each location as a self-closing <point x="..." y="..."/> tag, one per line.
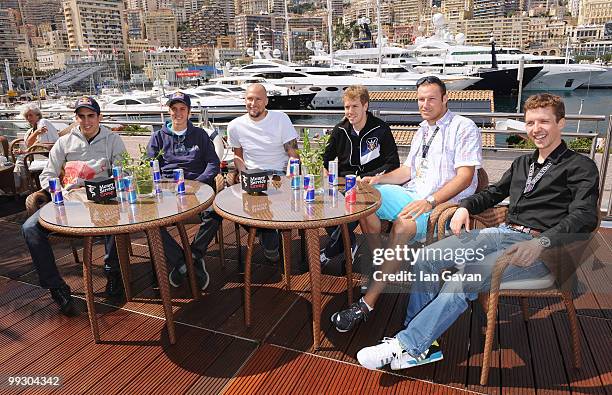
<point x="350" y="190"/>
<point x="309" y="188"/>
<point x="294" y="173"/>
<point x="333" y="196"/>
<point x="130" y="188"/>
<point x="156" y="176"/>
<point x="179" y="180"/>
<point x="295" y="200"/>
<point x="310" y="210"/>
<point x="181" y="202"/>
<point x="55" y="188"/>
<point x="332" y="173"/>
<point x="60" y="215"/>
<point x="118" y="176"/>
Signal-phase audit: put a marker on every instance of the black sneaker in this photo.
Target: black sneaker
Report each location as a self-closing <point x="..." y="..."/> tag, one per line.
<point x="64" y="299"/>
<point x="345" y="320"/>
<point x="201" y="273"/>
<point x="177" y="276"/>
<point x="114" y="285"/>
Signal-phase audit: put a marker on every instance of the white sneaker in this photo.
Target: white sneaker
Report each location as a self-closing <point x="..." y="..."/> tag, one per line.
<point x="376" y="357"/>
<point x="405" y="361"/>
<point x="324" y="259"/>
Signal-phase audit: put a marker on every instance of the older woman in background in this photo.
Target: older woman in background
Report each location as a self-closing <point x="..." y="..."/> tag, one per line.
<point x="41" y="131"/>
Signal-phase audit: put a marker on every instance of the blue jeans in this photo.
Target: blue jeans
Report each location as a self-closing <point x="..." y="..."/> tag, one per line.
<point x="37" y="240"/>
<point x="433" y="309"/>
<point x="335" y="245"/>
<point x="174" y="252"/>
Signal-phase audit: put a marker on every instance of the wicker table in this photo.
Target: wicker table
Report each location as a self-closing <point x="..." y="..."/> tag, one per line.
<point x="284" y="209"/>
<point x="7" y="180"/>
<point x="81" y="218"/>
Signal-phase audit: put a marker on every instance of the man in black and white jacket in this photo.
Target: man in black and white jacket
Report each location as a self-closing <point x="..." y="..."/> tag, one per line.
<point x="364" y="146"/>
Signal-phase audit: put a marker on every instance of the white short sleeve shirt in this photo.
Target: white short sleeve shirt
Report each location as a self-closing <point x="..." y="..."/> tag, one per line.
<point x="457" y="143"/>
<point x="262" y="141"/>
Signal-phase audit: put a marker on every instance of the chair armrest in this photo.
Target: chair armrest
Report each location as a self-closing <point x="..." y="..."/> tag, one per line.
<point x="434" y="218"/>
<point x="491" y="217"/>
<point x="35" y="201"/>
<point x="219" y="183"/>
<point x="14" y="148"/>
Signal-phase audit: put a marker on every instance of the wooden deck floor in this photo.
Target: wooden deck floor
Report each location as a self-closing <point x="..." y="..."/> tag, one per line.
<point x="215" y="353"/>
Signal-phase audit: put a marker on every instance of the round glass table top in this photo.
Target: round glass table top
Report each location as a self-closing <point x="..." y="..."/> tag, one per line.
<point x="158" y="210"/>
<point x="284" y="207"/>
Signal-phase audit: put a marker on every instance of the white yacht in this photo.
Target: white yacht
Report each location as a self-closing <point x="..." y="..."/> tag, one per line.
<point x="446" y="53"/>
<point x="329" y="82"/>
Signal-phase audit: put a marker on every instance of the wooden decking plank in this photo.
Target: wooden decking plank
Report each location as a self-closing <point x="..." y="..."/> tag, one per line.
<point x="166" y="358"/>
<point x="15" y="295"/>
<point x="516" y="361"/>
<point x="598" y="334"/>
<point x="205" y="351"/>
<point x="599" y="288"/>
<point x="219" y="373"/>
<point x="255" y="371"/>
<point x="372" y="331"/>
<point x="287" y="371"/>
<point x="550" y="373"/>
<point x="477" y="339"/>
<point x="79" y="362"/>
<point x="583" y="380"/>
<point x="453" y="369"/>
<point x="143" y="337"/>
<point x="58" y="345"/>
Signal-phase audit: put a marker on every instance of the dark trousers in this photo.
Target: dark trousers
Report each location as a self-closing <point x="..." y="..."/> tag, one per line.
<point x="37" y="240"/>
<point x="174" y="252"/>
<point x="335" y="245"/>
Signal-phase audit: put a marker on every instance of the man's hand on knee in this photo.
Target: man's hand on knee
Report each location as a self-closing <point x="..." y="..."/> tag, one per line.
<point x="414" y="209"/>
<point x="460" y="219"/>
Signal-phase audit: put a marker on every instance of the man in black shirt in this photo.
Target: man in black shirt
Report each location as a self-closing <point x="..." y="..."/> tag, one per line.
<point x="364" y="146"/>
<point x="553" y="194"/>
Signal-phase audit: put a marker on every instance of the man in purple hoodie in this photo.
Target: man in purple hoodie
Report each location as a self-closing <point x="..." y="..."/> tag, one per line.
<point x="189" y="148"/>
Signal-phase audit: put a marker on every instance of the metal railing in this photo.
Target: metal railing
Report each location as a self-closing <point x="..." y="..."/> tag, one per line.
<point x="211" y="114"/>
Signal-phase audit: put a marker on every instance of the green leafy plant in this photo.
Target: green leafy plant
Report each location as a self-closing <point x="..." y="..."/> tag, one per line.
<point x="140" y="169"/>
<point x="131" y="130"/>
<point x="580" y="144"/>
<point x="312" y="151"/>
<point x="311" y="154"/>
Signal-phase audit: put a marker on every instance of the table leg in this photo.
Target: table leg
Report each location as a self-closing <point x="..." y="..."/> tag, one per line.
<point x="122" y="242"/>
<point x="312" y="245"/>
<point x="159" y="261"/>
<point x="247" y="277"/>
<point x="221" y="245"/>
<point x="304" y="257"/>
<point x="188" y="260"/>
<point x="89" y="295"/>
<point x="348" y="259"/>
<point x="287" y="257"/>
<point x="238" y="246"/>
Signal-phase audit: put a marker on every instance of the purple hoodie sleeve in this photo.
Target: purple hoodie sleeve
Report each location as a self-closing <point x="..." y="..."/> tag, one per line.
<point x="209" y="156"/>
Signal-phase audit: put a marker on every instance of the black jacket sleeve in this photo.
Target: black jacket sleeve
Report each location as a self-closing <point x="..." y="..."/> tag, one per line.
<point x="388" y="151"/>
<point x="331" y="150"/>
<point x="491" y="196"/>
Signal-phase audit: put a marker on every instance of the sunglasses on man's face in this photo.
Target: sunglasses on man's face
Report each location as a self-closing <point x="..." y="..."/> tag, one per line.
<point x="430" y="79"/>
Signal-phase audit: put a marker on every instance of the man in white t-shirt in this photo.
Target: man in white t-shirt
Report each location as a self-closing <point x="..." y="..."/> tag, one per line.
<point x="441" y="166"/>
<point x="263" y="139"/>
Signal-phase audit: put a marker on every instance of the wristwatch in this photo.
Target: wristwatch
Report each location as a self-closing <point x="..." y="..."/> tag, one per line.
<point x="431" y="200"/>
<point x="544" y="241"/>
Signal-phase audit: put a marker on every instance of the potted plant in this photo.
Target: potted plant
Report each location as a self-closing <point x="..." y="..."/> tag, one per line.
<point x="140" y="169"/>
<point x="311" y="156"/>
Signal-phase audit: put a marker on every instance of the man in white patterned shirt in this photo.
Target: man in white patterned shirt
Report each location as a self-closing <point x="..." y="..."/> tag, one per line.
<point x="441" y="166"/>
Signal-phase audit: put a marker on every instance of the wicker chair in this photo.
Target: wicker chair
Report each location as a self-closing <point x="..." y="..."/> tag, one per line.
<point x="545" y="287"/>
<point x="7" y="181"/>
<point x="34" y="202"/>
